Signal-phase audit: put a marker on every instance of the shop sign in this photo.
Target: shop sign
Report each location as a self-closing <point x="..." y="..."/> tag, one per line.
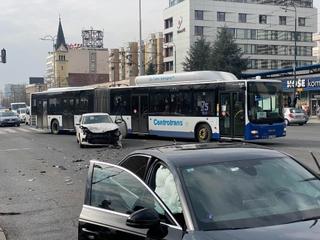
<point x="180" y="28"/>
<point x="306" y="84"/>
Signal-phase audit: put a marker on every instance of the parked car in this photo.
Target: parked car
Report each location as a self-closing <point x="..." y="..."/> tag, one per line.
<point x="201" y="192"/>
<point x="97" y="129"/>
<point x="294" y="116"/>
<point x="9" y="118"/>
<point x="22" y="114"/>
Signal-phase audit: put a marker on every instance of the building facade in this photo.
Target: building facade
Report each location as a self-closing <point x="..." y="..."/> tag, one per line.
<point x="153" y="52"/>
<point x="264" y="30"/>
<point x="316" y="49"/>
<point x="76" y="64"/>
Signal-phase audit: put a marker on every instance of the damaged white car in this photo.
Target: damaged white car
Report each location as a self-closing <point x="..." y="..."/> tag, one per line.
<point x="97" y="129"/>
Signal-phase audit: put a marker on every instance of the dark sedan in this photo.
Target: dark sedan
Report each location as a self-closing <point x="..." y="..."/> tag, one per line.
<point x="8" y="118"/>
<point x="219" y="192"/>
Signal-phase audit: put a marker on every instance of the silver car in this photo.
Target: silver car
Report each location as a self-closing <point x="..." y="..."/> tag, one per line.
<point x="294" y="116"/>
<point x="8" y="118"/>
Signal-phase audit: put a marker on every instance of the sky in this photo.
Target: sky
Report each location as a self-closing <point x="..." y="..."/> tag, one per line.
<point x="23" y="23"/>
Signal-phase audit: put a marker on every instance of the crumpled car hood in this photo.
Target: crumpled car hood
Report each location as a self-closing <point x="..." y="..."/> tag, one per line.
<point x="101" y="127"/>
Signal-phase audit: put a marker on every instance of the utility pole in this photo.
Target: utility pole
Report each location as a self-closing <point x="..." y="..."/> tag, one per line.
<point x="293" y="4"/>
<point x="141" y="65"/>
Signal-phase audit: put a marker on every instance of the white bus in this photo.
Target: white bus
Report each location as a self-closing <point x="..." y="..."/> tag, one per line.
<point x="15" y="106"/>
<point x="203" y="105"/>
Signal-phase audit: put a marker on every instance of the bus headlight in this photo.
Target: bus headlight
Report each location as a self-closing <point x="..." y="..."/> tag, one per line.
<point x="254" y="132"/>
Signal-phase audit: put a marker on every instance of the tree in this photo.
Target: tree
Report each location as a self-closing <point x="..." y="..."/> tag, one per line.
<point x="198" y="57"/>
<point x="151" y="69"/>
<point x="226" y="55"/>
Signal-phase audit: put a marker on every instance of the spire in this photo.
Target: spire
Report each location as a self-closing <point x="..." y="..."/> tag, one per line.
<point x="60" y="37"/>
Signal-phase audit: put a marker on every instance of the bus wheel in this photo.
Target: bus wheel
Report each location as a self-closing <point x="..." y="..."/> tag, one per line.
<point x="203" y="133"/>
<point x="55" y="127"/>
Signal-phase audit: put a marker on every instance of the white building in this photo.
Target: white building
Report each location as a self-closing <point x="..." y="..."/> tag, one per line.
<point x="316" y="49"/>
<point x="263" y="29"/>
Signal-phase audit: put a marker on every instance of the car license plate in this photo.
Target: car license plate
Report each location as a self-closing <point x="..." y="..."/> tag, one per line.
<point x="272" y="136"/>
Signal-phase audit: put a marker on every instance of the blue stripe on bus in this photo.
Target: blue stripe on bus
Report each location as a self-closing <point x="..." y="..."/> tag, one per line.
<point x="172" y="134"/>
<point x="265" y="131"/>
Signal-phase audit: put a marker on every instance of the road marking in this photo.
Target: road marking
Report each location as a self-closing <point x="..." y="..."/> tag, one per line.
<point x="14" y="149"/>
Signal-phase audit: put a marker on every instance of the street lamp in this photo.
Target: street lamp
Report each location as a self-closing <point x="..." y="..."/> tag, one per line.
<point x="292" y="3"/>
<point x="53" y="39"/>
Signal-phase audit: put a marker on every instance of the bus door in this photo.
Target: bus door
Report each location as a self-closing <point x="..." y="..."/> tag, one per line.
<point x="45" y="114"/>
<point x="67" y="115"/>
<point x="39" y="114"/>
<point x="140" y="113"/>
<point x="231" y="115"/>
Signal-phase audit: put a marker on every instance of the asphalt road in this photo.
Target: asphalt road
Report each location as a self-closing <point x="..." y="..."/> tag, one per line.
<point x="42" y="176"/>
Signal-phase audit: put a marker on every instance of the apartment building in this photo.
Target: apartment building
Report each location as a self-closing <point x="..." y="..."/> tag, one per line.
<point x="264" y="30"/>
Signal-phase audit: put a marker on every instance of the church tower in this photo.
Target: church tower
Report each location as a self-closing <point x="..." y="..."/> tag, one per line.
<point x="60" y="59"/>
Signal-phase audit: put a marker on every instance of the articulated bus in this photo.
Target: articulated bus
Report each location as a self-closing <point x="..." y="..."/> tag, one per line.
<point x="204" y="105"/>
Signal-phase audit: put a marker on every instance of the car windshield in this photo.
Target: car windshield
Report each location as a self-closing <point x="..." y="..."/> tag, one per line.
<point x="96" y="119"/>
<point x="251" y="193"/>
<point x="23" y="110"/>
<point x="264" y="102"/>
<point x="7" y="114"/>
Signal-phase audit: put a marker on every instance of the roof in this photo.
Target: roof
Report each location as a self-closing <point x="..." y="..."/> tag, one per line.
<point x="95" y="114"/>
<point x="60" y="37"/>
<point x="198" y="154"/>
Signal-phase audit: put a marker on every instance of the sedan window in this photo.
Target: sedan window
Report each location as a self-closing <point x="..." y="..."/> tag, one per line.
<point x="117" y="190"/>
<point x="251" y="193"/>
<point x="136" y="164"/>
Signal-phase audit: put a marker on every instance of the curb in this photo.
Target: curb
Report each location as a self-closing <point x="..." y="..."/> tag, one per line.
<point x="2" y="236"/>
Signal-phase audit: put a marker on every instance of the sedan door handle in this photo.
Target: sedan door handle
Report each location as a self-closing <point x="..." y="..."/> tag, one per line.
<point x="89" y="231"/>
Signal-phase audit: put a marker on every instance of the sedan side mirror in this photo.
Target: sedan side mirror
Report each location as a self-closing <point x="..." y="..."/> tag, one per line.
<point x="144" y="218"/>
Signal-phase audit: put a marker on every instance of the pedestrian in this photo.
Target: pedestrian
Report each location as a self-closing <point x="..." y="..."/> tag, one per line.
<point x="318" y="111"/>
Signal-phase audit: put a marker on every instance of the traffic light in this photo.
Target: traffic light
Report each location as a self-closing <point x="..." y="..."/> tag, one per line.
<point x="3" y="55"/>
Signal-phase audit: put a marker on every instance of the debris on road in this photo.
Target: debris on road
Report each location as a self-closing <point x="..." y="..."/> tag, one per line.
<point x="60" y="167"/>
<point x="78" y="160"/>
<point x="31" y="179"/>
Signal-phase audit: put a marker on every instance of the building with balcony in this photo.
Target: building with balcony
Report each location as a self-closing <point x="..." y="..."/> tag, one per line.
<point x="264" y="30"/>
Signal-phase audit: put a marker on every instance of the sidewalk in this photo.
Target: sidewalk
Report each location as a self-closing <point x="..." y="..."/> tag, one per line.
<point x="2" y="236"/>
<point x="314" y="120"/>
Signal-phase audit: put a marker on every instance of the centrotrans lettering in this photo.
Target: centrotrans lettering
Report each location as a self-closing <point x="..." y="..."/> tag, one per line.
<point x="163" y="122"/>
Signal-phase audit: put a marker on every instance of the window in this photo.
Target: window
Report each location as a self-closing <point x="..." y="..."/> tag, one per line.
<point x="168" y="37"/>
<point x="168" y="52"/>
<point x="117" y="190"/>
<point x="198" y="14"/>
<point x="221" y="16"/>
<point x="204" y="103"/>
<point x="168" y="66"/>
<point x="198" y="30"/>
<point x="180" y="102"/>
<point x="274" y="64"/>
<point x="120" y="103"/>
<point x="137" y="165"/>
<point x="242" y="18"/>
<point x="160" y="103"/>
<point x="168" y="23"/>
<point x="263" y="19"/>
<point x="302" y="21"/>
<point x="282" y="20"/>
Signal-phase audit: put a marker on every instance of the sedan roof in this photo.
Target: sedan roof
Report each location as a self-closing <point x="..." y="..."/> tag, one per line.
<point x="95" y="114"/>
<point x="198" y="154"/>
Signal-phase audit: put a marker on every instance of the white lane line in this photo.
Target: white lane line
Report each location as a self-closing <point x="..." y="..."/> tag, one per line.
<point x="14" y="149"/>
<point x="9" y="130"/>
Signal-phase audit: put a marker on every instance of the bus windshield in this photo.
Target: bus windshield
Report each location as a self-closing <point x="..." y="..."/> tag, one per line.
<point x="264" y="102"/>
<point x="15" y="106"/>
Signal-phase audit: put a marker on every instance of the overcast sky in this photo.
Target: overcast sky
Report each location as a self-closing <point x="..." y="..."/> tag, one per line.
<point x="24" y="22"/>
